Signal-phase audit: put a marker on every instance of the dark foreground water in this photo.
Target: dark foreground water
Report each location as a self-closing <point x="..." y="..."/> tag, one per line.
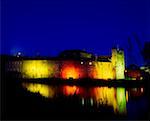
<point x="24" y="100"/>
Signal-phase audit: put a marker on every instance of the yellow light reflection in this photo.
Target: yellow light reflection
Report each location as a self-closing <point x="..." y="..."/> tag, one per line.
<point x="105" y="95"/>
<point x="43" y="90"/>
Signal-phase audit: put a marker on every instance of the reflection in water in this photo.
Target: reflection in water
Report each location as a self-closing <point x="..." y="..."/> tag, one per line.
<point x="142" y="89"/>
<point x="82" y="101"/>
<point x="105" y="95"/>
<point x="91" y="100"/>
<point x="121" y="100"/>
<point x="70" y="90"/>
<point x="117" y="98"/>
<point x="136" y="92"/>
<point x="44" y="90"/>
<point x="127" y="96"/>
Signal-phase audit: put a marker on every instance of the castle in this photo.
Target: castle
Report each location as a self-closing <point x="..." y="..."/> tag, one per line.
<point x="74" y="64"/>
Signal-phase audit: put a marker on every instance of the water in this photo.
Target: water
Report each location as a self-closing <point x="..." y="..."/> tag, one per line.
<point x="43" y="101"/>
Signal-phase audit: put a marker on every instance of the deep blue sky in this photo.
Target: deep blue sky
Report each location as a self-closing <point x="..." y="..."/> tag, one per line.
<point x="50" y="26"/>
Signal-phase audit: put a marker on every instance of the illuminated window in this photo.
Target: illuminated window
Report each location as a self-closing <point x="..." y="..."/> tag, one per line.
<point x="90" y="63"/>
<point x="141" y="78"/>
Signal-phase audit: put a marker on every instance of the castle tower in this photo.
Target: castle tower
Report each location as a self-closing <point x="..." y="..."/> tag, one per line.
<point x="118" y="63"/>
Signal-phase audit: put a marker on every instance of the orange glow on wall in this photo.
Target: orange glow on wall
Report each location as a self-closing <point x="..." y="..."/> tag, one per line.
<point x="70" y="72"/>
<point x="71" y="69"/>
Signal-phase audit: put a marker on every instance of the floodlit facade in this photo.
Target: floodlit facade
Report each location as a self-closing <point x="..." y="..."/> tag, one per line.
<point x="71" y="64"/>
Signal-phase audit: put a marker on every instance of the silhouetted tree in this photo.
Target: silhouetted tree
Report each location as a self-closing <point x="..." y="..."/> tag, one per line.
<point x="146" y="52"/>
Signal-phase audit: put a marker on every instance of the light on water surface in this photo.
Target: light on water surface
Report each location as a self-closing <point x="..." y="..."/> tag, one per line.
<point x="116" y="98"/>
<point x="44" y="90"/>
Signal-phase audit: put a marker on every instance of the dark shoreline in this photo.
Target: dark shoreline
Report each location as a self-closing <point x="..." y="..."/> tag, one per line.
<point x="89" y="82"/>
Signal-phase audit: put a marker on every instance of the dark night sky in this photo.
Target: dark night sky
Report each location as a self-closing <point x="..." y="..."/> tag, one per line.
<point x="50" y="26"/>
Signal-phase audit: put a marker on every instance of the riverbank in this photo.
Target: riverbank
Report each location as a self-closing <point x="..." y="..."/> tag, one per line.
<point x="88" y="82"/>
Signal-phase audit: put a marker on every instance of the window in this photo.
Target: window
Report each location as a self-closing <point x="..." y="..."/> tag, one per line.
<point x="90" y="63"/>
